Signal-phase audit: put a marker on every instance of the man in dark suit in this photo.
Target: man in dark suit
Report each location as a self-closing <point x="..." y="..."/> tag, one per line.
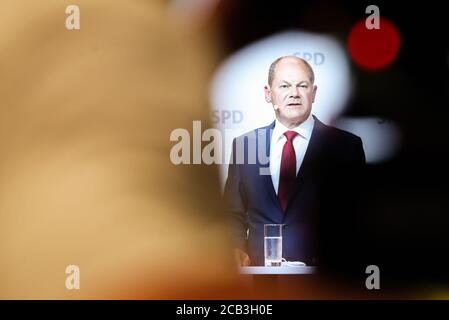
<point x="297" y="172"/>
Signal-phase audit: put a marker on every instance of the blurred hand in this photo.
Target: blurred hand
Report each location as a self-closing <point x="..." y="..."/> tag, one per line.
<point x="242" y="258"/>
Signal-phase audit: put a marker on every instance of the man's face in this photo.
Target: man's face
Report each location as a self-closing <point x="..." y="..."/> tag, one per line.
<point x="291" y="93"/>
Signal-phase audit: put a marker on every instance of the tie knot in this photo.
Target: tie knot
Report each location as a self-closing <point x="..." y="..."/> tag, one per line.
<point x="290" y="135"/>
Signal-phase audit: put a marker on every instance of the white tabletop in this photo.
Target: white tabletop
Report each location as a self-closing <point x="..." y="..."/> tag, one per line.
<point x="277" y="270"/>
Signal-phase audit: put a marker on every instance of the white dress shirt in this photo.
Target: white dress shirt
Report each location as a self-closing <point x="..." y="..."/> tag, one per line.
<point x="300" y="143"/>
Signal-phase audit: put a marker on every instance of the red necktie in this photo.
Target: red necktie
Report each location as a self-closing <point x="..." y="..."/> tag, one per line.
<point x="287" y="174"/>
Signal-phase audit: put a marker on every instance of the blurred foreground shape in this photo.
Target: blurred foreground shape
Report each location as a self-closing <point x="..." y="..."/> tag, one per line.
<point x="85" y="173"/>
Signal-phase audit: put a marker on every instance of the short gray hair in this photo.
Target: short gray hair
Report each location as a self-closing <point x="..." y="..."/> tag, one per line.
<point x="275" y="62"/>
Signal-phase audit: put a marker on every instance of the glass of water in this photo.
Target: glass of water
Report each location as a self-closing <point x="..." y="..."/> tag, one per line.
<point x="273" y="245"/>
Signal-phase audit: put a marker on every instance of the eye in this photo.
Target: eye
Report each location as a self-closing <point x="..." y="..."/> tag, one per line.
<point x="303" y="86"/>
<point x="283" y="86"/>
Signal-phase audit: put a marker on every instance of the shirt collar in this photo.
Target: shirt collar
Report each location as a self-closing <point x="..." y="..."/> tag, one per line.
<point x="304" y="129"/>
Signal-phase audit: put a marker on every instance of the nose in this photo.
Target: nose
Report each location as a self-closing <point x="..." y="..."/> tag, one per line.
<point x="294" y="92"/>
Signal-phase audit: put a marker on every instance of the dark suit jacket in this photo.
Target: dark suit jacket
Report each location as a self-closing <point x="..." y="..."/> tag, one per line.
<point x="327" y="182"/>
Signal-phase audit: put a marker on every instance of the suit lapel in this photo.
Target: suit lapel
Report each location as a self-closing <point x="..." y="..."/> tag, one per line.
<point x="311" y="158"/>
<point x="266" y="133"/>
<point x="314" y="149"/>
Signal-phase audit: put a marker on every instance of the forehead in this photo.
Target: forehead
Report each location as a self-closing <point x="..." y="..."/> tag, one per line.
<point x="290" y="70"/>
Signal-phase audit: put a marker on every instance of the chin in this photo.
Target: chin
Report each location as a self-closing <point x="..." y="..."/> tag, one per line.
<point x="297" y="117"/>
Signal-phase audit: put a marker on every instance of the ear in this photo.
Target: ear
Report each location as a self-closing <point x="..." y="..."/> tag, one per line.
<point x="314" y="93"/>
<point x="267" y="94"/>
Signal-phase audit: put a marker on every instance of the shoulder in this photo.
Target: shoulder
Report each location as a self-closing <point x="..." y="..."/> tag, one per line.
<point x="341" y="144"/>
<point x="337" y="135"/>
<point x="255" y="133"/>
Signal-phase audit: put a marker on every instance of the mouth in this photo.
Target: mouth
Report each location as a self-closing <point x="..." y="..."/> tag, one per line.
<point x="294" y="104"/>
